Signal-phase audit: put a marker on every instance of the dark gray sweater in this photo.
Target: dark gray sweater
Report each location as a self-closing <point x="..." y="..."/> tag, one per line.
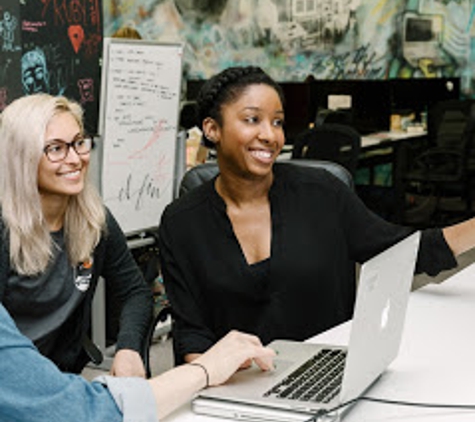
<point x="114" y="262"/>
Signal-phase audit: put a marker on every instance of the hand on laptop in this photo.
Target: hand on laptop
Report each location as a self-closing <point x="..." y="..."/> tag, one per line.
<point x="231" y="352"/>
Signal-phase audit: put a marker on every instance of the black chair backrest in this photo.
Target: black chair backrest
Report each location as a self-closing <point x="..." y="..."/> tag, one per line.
<point x="448" y="123"/>
<point x="204" y="172"/>
<point x="330" y="142"/>
<point x="324" y="116"/>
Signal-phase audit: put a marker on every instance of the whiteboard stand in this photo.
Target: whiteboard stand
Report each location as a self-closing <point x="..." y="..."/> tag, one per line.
<point x="99" y="325"/>
<point x="180" y="162"/>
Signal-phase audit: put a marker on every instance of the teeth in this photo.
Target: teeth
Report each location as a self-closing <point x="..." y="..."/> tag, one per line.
<point x="262" y="154"/>
<point x="72" y="174"/>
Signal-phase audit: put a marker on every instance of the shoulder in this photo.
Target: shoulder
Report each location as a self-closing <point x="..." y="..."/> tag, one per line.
<point x="112" y="226"/>
<point x="112" y="231"/>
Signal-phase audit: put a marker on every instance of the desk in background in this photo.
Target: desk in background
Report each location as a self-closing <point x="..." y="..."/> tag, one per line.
<point x="436" y="362"/>
<point x="389" y="149"/>
<point x="381" y="139"/>
<point x="393" y="151"/>
<point x="386" y="148"/>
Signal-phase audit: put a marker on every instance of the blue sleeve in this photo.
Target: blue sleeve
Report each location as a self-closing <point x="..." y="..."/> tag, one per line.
<point x="32" y="389"/>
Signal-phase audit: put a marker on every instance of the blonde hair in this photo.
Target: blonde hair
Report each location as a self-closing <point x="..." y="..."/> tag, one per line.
<point x="22" y="130"/>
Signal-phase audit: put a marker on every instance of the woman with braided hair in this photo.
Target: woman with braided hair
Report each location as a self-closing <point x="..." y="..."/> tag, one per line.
<point x="266" y="248"/>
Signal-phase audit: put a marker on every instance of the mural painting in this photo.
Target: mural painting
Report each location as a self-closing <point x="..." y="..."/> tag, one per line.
<point x="61" y="46"/>
<point x="10" y="52"/>
<point x="329" y="39"/>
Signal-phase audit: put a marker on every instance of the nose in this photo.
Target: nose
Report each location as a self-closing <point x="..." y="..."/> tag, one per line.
<point x="71" y="155"/>
<point x="268" y="132"/>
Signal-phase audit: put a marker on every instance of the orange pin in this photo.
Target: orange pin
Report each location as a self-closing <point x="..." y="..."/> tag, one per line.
<point x="87" y="264"/>
<point x="76" y="36"/>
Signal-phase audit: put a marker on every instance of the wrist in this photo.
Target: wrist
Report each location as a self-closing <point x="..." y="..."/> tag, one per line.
<point x="204" y="370"/>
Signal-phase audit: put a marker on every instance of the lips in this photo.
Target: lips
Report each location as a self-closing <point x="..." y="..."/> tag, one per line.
<point x="262" y="155"/>
<point x="72" y="175"/>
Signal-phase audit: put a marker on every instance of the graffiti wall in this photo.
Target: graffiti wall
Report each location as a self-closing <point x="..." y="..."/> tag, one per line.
<point x="10" y="52"/>
<point x="329" y="39"/>
<point x="52" y="46"/>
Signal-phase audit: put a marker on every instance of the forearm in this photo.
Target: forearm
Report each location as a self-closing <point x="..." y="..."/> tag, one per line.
<point x="136" y="318"/>
<point x="190" y="357"/>
<point x="214" y="367"/>
<point x="460" y="237"/>
<point x="186" y="380"/>
<point x="131" y="292"/>
<point x="189" y="343"/>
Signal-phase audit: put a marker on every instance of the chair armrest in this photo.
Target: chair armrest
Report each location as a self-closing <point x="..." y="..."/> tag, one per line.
<point x="160" y="315"/>
<point x="437" y="165"/>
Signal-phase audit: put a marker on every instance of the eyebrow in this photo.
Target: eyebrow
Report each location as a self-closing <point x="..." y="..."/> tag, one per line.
<point x="49" y="141"/>
<point x="258" y="109"/>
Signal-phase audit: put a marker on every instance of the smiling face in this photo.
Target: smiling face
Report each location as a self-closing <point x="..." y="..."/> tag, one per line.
<point x="66" y="177"/>
<point x="251" y="135"/>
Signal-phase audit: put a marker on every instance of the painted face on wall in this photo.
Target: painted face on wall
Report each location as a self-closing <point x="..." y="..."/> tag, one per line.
<point x="211" y="6"/>
<point x="200" y="9"/>
<point x="252" y="135"/>
<point x="34" y="73"/>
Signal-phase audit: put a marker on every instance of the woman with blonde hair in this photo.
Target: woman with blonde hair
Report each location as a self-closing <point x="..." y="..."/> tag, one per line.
<point x="59" y="238"/>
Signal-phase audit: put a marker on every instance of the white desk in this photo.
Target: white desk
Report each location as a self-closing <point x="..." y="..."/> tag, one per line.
<point x="436" y="363"/>
<point x="381" y="139"/>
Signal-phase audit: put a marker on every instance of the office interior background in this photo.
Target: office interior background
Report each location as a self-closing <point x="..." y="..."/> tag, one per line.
<point x="389" y="56"/>
<point x="56" y="46"/>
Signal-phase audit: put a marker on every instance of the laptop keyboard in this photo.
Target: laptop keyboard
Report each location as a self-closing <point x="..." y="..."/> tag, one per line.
<point x="317" y="380"/>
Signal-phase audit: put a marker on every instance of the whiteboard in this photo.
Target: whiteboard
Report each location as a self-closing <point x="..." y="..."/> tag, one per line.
<point x="139" y="111"/>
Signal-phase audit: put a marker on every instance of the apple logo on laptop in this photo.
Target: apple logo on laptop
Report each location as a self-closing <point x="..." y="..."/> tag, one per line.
<point x="385" y="315"/>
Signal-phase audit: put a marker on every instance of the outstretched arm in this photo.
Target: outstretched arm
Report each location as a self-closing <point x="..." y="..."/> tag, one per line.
<point x="32" y="389"/>
<point x="460" y="237"/>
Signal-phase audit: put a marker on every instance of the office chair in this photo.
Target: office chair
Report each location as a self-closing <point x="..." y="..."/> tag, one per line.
<point x="197" y="175"/>
<point x="330" y="142"/>
<point x="161" y="314"/>
<point x="447" y="168"/>
<point x="342" y="117"/>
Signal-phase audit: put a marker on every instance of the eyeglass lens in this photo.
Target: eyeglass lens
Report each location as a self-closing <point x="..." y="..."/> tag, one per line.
<point x="58" y="150"/>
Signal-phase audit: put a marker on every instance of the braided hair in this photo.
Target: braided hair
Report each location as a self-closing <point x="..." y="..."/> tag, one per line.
<point x="227" y="86"/>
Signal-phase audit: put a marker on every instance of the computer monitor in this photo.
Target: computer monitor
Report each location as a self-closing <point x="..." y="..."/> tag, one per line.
<point x="422" y="39"/>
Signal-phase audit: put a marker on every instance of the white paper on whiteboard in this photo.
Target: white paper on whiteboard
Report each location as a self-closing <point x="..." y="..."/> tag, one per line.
<point x="336" y="102"/>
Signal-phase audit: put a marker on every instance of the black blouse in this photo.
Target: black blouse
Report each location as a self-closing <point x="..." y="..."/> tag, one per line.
<point x="320" y="229"/>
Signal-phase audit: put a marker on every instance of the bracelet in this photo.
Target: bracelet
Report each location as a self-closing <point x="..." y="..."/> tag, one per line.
<point x="204" y="369"/>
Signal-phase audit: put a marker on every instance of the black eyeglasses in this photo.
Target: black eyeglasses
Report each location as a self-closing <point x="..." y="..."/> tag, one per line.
<point x="57" y="150"/>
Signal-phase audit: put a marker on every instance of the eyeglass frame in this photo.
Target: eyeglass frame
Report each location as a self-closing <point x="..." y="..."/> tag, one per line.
<point x="69" y="145"/>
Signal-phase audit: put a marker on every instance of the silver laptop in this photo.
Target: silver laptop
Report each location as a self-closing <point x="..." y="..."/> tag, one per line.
<point x="321" y="379"/>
